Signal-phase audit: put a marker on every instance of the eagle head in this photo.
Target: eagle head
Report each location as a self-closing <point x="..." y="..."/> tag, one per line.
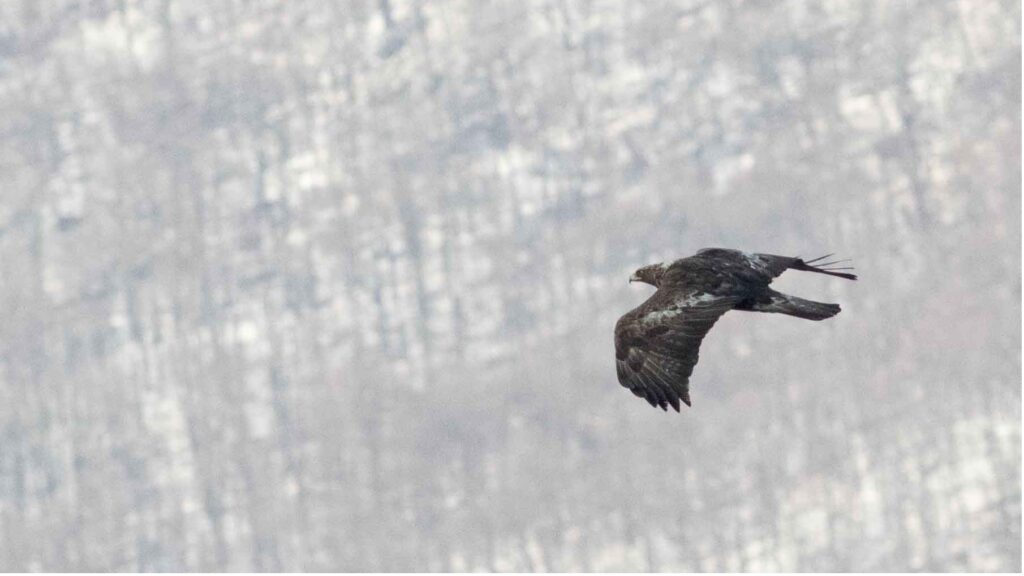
<point x="649" y="274"/>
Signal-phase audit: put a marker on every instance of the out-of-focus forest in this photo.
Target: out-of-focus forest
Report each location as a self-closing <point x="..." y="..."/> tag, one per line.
<point x="331" y="285"/>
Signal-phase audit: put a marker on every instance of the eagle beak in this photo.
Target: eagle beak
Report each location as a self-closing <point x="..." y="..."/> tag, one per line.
<point x="634" y="278"/>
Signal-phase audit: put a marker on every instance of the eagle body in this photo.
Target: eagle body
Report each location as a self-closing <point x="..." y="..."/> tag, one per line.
<point x="657" y="343"/>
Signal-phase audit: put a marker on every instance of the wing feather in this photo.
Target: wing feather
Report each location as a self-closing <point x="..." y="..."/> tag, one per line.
<point x="657" y="344"/>
<point x="768" y="265"/>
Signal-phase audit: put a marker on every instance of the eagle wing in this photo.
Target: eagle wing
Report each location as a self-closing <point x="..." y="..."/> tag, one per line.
<point x="657" y="344"/>
<point x="770" y="266"/>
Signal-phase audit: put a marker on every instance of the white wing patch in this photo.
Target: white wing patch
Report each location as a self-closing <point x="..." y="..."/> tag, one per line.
<point x="696" y="299"/>
<point x="756" y="263"/>
<point x="678" y="307"/>
<point x="660" y="315"/>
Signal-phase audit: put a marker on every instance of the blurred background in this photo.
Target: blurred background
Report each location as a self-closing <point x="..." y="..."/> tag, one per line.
<point x="312" y="286"/>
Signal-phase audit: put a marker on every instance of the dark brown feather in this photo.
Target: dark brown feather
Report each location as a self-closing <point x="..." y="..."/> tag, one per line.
<point x="657" y="343"/>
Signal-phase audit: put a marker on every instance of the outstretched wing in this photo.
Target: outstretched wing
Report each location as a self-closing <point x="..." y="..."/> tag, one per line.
<point x="768" y="265"/>
<point x="657" y="344"/>
<point x="772" y="265"/>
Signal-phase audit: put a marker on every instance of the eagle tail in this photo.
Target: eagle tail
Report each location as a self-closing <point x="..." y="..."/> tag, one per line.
<point x="820" y="267"/>
<point x="793" y="306"/>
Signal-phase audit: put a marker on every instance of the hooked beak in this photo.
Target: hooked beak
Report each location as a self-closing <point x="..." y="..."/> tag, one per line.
<point x="634" y="278"/>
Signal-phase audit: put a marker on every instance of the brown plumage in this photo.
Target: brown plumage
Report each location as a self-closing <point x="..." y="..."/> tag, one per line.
<point x="656" y="343"/>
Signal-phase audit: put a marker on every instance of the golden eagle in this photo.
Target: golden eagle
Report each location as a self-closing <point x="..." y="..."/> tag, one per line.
<point x="656" y="343"/>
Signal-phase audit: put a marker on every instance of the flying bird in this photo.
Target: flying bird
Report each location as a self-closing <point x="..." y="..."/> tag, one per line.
<point x="656" y="343"/>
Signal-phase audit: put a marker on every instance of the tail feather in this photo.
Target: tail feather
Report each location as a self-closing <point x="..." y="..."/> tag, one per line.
<point x="824" y="267"/>
<point x="793" y="306"/>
